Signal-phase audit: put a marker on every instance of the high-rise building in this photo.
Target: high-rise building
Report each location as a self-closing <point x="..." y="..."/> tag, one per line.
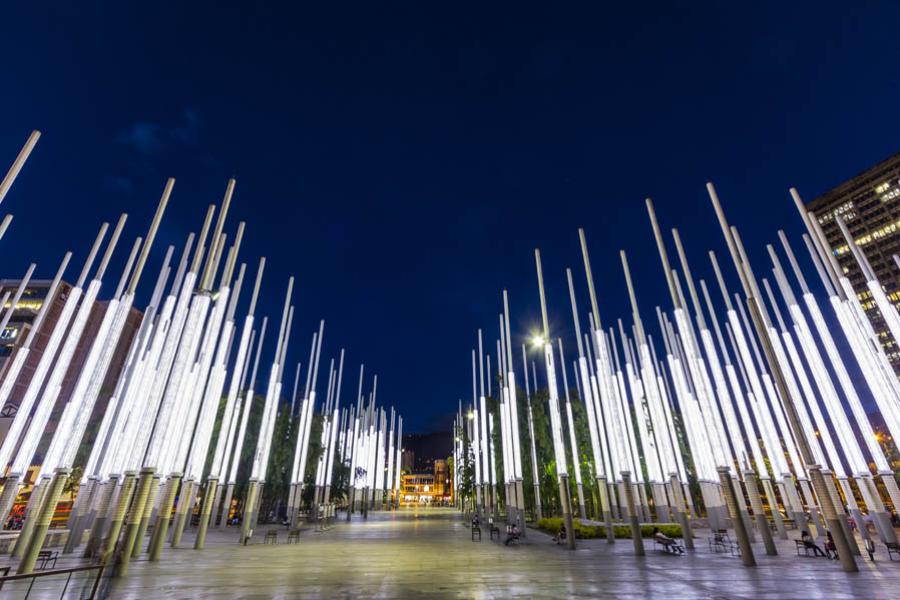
<point x="869" y="204"/>
<point x="17" y="330"/>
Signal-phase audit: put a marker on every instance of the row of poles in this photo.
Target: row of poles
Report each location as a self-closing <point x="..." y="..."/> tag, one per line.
<point x="760" y="407"/>
<point x="187" y="365"/>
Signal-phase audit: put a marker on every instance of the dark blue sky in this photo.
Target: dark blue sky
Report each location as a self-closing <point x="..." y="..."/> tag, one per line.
<point x="403" y="163"/>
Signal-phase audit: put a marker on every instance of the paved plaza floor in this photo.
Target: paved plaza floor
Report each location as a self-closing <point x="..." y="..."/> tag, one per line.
<point x="429" y="552"/>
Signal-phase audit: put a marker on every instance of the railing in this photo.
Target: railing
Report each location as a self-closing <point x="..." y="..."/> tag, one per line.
<point x="44" y="584"/>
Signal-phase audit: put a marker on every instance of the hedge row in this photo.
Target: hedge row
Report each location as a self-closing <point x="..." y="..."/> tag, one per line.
<point x="587" y="532"/>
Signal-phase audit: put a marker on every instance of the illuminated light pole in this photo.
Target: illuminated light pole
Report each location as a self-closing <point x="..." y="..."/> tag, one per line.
<point x="789" y="492"/>
<point x="18" y="163"/>
<point x="487" y="443"/>
<point x="169" y="444"/>
<point x="570" y="421"/>
<point x="309" y="405"/>
<point x="159" y="388"/>
<point x="756" y="399"/>
<point x="643" y="437"/>
<point x="54" y="384"/>
<point x="737" y="452"/>
<point x="851" y="332"/>
<point x="654" y="424"/>
<point x="748" y="284"/>
<point x="10" y="372"/>
<point x="88" y="388"/>
<point x="555" y="419"/>
<point x="354" y="447"/>
<point x="786" y="352"/>
<point x="630" y="456"/>
<point x="327" y="425"/>
<point x="680" y="389"/>
<point x="206" y="418"/>
<point x="335" y="424"/>
<point x="399" y="456"/>
<point x="510" y="381"/>
<point x="604" y="387"/>
<point x="713" y="443"/>
<point x="535" y="474"/>
<point x="370" y="451"/>
<point x="76" y="314"/>
<point x="68" y="431"/>
<point x="506" y="432"/>
<point x="260" y="457"/>
<point x="476" y="439"/>
<point x="171" y="388"/>
<point x="208" y="375"/>
<point x="229" y="426"/>
<point x="595" y="427"/>
<point x="11" y="487"/>
<point x="57" y="333"/>
<point x="318" y="480"/>
<point x="274" y="392"/>
<point x="389" y="480"/>
<point x="379" y="460"/>
<point x="833" y="406"/>
<point x="756" y="447"/>
<point x="294" y="492"/>
<point x="887" y="388"/>
<point x="456" y="455"/>
<point x="604" y="431"/>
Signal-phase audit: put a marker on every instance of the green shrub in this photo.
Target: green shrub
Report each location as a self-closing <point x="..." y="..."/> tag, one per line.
<point x="586" y="532"/>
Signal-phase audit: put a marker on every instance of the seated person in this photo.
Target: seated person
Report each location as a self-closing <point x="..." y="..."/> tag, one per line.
<point x="665" y="540"/>
<point x="476" y="522"/>
<point x="512" y="534"/>
<point x="830" y="548"/>
<point x="562" y="534"/>
<point x="807" y="540"/>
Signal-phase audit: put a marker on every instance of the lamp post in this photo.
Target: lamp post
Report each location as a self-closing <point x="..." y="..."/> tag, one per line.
<point x="555" y="418"/>
<point x="748" y="283"/>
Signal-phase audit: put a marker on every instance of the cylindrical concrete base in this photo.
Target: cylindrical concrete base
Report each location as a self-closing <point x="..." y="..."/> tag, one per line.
<point x="160" y="529"/>
<point x="135" y="514"/>
<point x="118" y="517"/>
<point x="44" y="516"/>
<point x="740" y="531"/>
<point x="212" y="485"/>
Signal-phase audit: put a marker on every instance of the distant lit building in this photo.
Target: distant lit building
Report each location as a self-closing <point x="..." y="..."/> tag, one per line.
<point x="427" y="488"/>
<point x="17" y="330"/>
<point x="869" y="204"/>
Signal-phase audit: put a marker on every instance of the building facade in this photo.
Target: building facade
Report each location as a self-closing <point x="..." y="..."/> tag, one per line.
<point x="869" y="204"/>
<point x="425" y="488"/>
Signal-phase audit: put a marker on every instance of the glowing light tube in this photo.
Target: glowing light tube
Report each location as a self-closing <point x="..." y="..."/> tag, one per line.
<point x="245" y="412"/>
<point x="738" y="396"/>
<point x="37" y="378"/>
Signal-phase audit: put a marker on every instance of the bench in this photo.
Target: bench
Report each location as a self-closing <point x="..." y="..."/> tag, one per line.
<point x="271" y="537"/>
<point x="720" y="541"/>
<point x="560" y="537"/>
<point x="476" y="529"/>
<point x="293" y="536"/>
<point x="46" y="556"/>
<point x="512" y="535"/>
<point x="892" y="548"/>
<point x="671" y="547"/>
<point x="801" y="545"/>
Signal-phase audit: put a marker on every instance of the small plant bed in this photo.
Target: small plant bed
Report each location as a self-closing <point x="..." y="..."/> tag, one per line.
<point x="552" y="525"/>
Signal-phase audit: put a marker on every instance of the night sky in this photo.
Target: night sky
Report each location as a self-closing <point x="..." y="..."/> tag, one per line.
<point x="403" y="163"/>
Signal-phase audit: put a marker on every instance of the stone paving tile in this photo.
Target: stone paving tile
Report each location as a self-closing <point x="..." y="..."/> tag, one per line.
<point x="429" y="553"/>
